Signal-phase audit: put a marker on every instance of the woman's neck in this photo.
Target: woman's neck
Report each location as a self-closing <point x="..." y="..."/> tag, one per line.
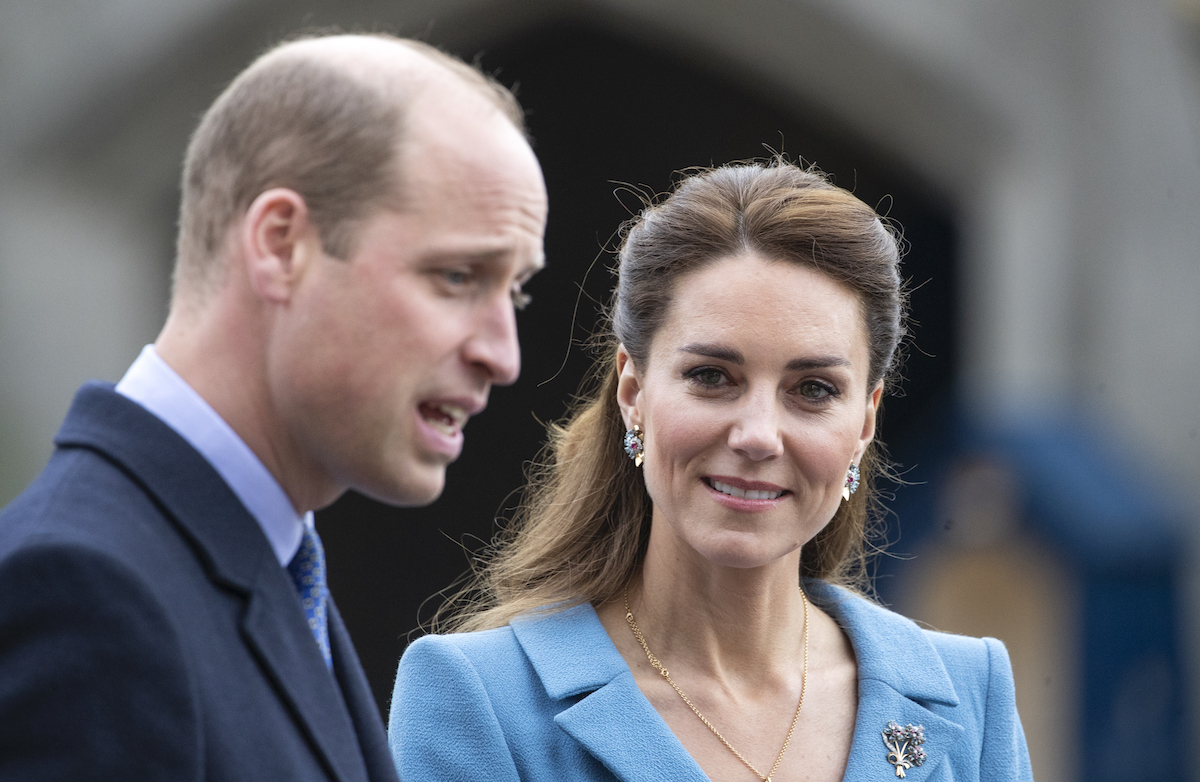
<point x="734" y="640"/>
<point x="741" y="625"/>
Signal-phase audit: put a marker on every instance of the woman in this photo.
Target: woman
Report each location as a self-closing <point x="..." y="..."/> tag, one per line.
<point x="676" y="599"/>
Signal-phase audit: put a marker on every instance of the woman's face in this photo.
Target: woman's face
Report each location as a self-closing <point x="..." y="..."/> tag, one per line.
<point x="754" y="403"/>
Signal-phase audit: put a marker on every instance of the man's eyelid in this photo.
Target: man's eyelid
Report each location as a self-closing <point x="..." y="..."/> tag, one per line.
<point x="520" y="298"/>
<point x="448" y="269"/>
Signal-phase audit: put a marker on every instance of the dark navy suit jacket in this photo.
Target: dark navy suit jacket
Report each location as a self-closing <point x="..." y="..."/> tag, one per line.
<point x="147" y="631"/>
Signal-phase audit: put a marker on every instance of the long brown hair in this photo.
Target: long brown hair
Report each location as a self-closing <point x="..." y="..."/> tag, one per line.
<point x="581" y="532"/>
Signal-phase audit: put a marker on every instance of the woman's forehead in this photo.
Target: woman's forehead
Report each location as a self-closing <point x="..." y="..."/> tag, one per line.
<point x="751" y="300"/>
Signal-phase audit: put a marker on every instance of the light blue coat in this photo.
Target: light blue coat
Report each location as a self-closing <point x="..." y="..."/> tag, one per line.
<point x="550" y="698"/>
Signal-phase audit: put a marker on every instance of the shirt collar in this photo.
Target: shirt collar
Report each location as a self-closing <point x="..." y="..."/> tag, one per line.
<point x="155" y="386"/>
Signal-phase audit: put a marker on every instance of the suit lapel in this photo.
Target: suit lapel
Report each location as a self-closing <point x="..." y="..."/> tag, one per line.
<point x="293" y="661"/>
<point x="900" y="675"/>
<point x="235" y="554"/>
<point x="613" y="721"/>
<point x="364" y="713"/>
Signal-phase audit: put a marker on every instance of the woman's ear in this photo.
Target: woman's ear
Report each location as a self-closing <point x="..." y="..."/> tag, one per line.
<point x="868" y="430"/>
<point x="629" y="387"/>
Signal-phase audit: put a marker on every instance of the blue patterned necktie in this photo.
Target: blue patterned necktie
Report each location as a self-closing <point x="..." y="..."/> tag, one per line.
<point x="308" y="571"/>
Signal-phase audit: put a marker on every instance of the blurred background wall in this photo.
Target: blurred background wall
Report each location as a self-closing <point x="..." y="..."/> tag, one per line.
<point x="1042" y="156"/>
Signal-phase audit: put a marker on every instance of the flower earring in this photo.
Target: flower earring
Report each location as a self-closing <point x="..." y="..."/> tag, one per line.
<point x="635" y="445"/>
<point x="852" y="481"/>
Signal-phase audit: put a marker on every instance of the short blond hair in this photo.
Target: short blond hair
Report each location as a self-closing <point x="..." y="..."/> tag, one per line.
<point x="298" y="121"/>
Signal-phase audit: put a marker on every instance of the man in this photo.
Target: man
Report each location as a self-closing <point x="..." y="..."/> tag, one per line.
<point x="359" y="214"/>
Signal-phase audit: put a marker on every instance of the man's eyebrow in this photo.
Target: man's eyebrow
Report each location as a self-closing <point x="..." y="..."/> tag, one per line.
<point x="486" y="257"/>
<point x="470" y="256"/>
<point x="537" y="265"/>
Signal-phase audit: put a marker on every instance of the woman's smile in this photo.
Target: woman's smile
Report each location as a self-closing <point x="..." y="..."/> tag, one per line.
<point x="745" y="490"/>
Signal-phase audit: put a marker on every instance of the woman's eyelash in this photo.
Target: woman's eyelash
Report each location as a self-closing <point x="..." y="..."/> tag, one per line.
<point x="811" y="390"/>
<point x="521" y="299"/>
<point x="829" y="390"/>
<point x="698" y="375"/>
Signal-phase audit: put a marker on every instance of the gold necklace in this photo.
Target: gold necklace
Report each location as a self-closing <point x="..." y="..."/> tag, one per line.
<point x="658" y="666"/>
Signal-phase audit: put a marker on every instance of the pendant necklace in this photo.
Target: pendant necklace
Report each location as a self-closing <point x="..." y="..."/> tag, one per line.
<point x="658" y="666"/>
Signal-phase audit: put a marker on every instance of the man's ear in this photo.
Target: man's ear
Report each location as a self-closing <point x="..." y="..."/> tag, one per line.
<point x="629" y="387"/>
<point x="278" y="241"/>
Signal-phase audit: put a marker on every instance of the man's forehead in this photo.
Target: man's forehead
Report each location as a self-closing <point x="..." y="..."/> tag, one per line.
<point x="464" y="151"/>
<point x="374" y="58"/>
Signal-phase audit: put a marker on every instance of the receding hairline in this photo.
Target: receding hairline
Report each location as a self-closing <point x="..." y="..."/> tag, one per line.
<point x="402" y="67"/>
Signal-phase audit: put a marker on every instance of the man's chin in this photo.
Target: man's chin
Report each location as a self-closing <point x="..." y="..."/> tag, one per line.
<point x="411" y="492"/>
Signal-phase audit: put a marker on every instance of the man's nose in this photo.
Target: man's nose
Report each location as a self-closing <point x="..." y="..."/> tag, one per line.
<point x="755" y="432"/>
<point x="494" y="346"/>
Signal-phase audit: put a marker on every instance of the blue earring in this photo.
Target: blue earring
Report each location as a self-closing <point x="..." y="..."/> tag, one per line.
<point x="852" y="481"/>
<point x="635" y="445"/>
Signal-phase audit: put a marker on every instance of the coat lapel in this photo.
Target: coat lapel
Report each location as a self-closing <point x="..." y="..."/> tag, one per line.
<point x="294" y="663"/>
<point x="878" y="704"/>
<point x="900" y="676"/>
<point x="234" y="552"/>
<point x="368" y="724"/>
<point x="613" y="721"/>
<point x="620" y="728"/>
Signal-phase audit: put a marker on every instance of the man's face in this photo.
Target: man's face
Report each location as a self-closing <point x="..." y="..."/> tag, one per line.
<point x="382" y="357"/>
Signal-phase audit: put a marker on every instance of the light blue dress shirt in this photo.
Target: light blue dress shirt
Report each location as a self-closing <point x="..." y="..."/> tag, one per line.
<point x="159" y="389"/>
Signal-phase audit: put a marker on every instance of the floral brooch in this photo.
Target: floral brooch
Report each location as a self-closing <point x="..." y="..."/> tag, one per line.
<point x="904" y="746"/>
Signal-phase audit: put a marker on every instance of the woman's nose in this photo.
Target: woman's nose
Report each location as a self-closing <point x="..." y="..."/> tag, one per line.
<point x="756" y="432"/>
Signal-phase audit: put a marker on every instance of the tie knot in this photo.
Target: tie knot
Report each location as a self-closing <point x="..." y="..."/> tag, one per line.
<point x="307" y="569"/>
<point x="308" y="566"/>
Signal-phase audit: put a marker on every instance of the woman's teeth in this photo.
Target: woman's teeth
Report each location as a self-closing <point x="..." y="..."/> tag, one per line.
<point x="745" y="494"/>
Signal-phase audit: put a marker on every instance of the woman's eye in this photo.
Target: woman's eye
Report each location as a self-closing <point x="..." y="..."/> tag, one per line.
<point x="816" y="390"/>
<point x="456" y="276"/>
<point x="707" y="376"/>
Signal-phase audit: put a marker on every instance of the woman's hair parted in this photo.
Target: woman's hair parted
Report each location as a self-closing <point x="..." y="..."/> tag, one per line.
<point x="581" y="531"/>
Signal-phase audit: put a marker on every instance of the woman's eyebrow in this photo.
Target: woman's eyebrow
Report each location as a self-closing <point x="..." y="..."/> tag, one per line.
<point x="719" y="352"/>
<point x="816" y="362"/>
<point x="734" y="356"/>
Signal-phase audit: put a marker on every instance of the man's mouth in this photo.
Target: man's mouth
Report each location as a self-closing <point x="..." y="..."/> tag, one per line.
<point x="447" y="418"/>
<point x="743" y="494"/>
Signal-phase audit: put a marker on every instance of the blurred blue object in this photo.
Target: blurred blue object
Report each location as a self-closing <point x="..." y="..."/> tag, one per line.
<point x="1122" y="543"/>
<point x="1081" y="498"/>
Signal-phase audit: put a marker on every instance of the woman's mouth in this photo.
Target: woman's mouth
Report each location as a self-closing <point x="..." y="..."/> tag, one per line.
<point x="742" y="493"/>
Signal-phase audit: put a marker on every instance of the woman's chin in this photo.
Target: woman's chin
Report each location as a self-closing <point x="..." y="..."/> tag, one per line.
<point x="745" y="555"/>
